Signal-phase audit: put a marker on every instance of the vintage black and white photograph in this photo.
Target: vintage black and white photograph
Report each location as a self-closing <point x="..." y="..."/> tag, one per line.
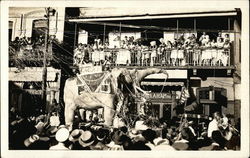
<point x="124" y="78"/>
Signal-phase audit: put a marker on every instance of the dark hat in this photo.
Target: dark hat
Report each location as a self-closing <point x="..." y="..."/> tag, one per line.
<point x="86" y="139"/>
<point x="140" y="145"/>
<point x="102" y="133"/>
<point x="124" y="129"/>
<point x="149" y="134"/>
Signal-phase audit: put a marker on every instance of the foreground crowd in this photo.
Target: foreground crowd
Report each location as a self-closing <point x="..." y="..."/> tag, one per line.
<point x="180" y="52"/>
<point x="45" y="132"/>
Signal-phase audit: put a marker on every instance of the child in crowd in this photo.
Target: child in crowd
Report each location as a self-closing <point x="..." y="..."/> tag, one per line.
<point x="180" y="55"/>
<point x="196" y="55"/>
<point x="174" y="55"/>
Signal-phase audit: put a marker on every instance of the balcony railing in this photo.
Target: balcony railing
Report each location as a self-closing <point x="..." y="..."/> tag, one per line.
<point x="213" y="57"/>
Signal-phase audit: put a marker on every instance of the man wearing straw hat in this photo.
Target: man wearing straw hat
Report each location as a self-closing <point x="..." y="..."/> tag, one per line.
<point x="61" y="136"/>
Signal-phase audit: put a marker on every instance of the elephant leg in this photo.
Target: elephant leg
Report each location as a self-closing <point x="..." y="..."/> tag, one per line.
<point x="69" y="115"/>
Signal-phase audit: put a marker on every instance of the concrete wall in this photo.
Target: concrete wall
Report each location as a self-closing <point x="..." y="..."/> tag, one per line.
<point x="23" y="18"/>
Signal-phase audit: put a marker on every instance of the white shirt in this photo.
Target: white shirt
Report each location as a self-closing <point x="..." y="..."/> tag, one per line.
<point x="54" y="120"/>
<point x="213" y="126"/>
<point x="59" y="146"/>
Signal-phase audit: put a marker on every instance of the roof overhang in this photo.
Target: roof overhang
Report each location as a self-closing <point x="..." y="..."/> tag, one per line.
<point x="111" y="17"/>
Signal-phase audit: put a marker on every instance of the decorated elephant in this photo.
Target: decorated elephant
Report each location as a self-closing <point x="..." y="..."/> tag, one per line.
<point x="102" y="90"/>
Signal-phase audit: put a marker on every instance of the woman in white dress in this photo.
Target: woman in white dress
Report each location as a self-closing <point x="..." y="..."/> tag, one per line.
<point x="220" y="50"/>
<point x="208" y="53"/>
<point x="102" y="55"/>
<point x="226" y="53"/>
<point x="153" y="56"/>
<point x="96" y="57"/>
<point x="213" y="52"/>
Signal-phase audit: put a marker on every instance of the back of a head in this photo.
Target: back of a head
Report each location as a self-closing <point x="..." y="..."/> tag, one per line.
<point x="217" y="115"/>
<point x="149" y="135"/>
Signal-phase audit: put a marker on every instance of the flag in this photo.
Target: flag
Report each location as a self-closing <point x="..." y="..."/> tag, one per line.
<point x="184" y="95"/>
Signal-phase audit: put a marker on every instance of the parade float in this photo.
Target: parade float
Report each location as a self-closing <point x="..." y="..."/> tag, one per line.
<point x="94" y="89"/>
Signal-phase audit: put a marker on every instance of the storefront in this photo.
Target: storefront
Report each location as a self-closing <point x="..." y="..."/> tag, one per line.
<point x="26" y="88"/>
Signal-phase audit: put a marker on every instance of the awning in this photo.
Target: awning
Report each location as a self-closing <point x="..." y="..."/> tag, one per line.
<point x="172" y="74"/>
<point x="145" y="83"/>
<point x="32" y="74"/>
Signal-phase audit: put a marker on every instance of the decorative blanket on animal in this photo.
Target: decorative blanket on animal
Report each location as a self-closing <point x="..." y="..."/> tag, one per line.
<point x="96" y="82"/>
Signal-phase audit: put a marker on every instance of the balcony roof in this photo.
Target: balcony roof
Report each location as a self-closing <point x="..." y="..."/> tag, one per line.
<point x="107" y="14"/>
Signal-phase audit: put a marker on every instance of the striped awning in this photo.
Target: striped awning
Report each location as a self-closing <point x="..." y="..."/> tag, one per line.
<point x="145" y="83"/>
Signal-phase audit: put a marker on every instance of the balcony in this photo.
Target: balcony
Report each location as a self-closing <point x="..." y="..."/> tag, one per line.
<point x="171" y="58"/>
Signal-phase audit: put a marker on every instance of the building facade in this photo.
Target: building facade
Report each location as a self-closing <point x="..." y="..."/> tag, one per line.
<point x="118" y="34"/>
<point x="27" y="47"/>
<point x="211" y="87"/>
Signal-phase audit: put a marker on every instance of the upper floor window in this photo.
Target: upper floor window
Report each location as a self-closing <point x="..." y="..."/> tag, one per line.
<point x="39" y="29"/>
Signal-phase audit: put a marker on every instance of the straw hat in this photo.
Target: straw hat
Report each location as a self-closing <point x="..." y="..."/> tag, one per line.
<point x="159" y="141"/>
<point x="75" y="135"/>
<point x="62" y="134"/>
<point x="180" y="145"/>
<point x="30" y="140"/>
<point x="86" y="139"/>
<point x="140" y="126"/>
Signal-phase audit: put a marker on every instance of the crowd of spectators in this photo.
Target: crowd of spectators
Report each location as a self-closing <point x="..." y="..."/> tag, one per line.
<point x="26" y="47"/>
<point x="48" y="132"/>
<point x="204" y="51"/>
